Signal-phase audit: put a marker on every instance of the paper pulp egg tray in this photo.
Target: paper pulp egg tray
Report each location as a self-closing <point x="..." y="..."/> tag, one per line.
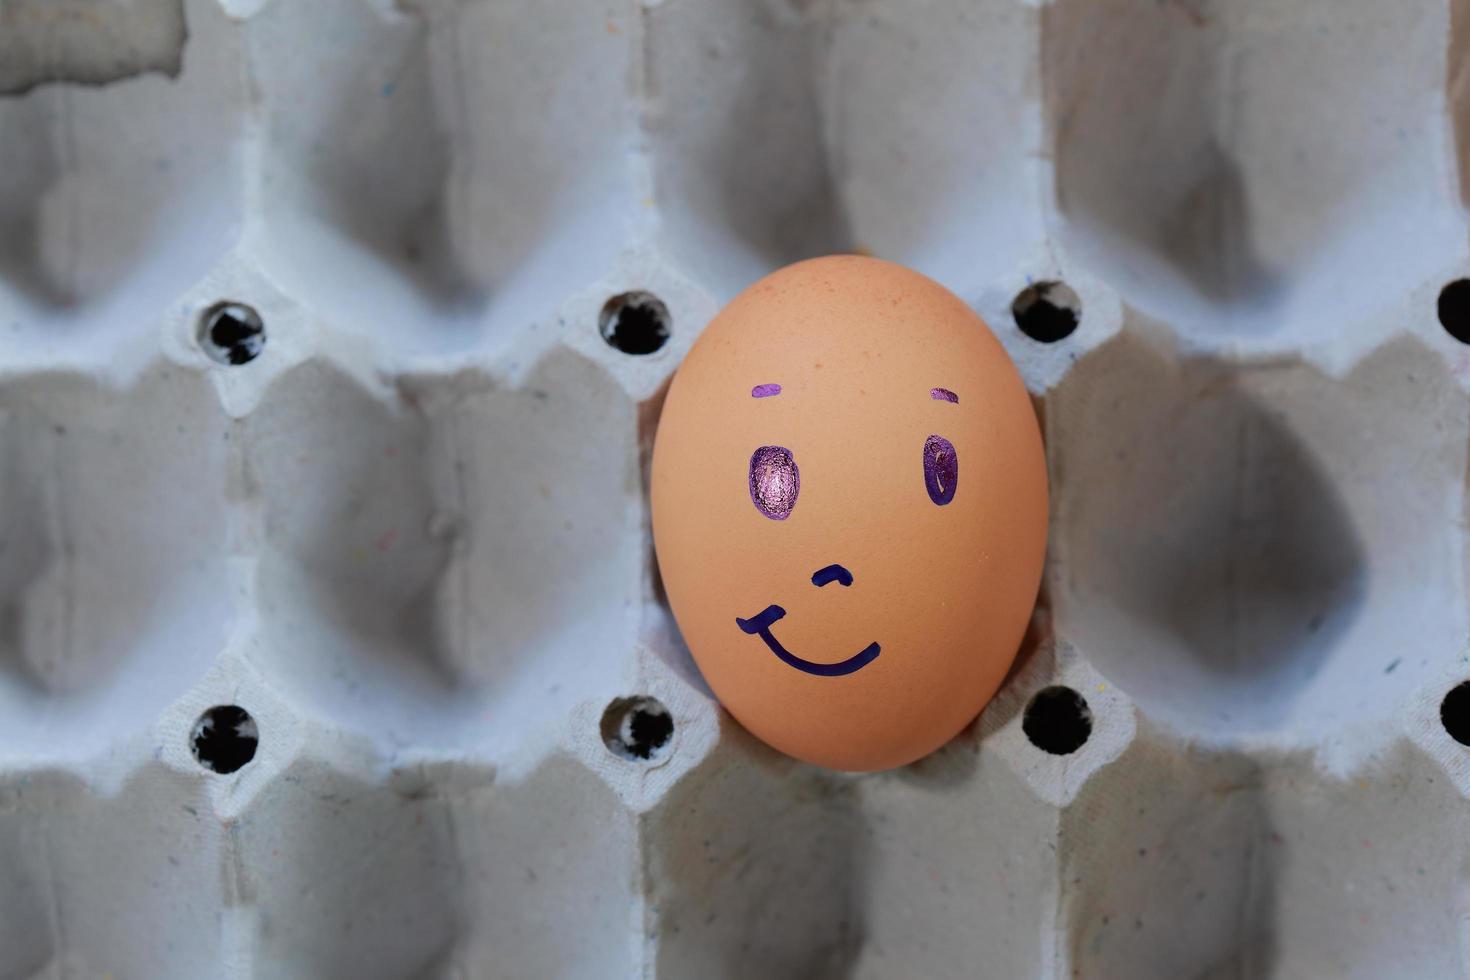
<point x="333" y="336"/>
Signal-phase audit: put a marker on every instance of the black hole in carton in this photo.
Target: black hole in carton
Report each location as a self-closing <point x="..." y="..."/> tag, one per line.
<point x="224" y="738"/>
<point x="1454" y="309"/>
<point x="232" y="333"/>
<point x="637" y="728"/>
<point x="635" y="323"/>
<point x="1047" y="311"/>
<point x="1454" y="713"/>
<point x="1057" y="720"/>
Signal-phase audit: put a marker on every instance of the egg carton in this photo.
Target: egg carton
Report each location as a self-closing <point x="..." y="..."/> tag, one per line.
<point x="335" y="336"/>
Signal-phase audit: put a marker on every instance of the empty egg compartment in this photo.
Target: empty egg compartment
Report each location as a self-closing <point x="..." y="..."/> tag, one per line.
<point x="1184" y="859"/>
<point x="127" y="882"/>
<point x="1260" y="550"/>
<point x="1260" y="177"/>
<point x="438" y="175"/>
<point x="122" y="137"/>
<point x="474" y="564"/>
<point x="115" y="580"/>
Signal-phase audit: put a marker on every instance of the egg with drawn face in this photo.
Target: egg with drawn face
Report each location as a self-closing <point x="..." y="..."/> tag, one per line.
<point x="849" y="511"/>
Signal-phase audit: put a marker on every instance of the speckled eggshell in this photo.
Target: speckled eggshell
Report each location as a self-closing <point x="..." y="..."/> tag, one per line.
<point x="858" y="347"/>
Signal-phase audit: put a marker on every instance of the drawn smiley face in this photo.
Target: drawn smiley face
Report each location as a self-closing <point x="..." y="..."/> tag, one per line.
<point x="852" y="594"/>
<point x="775" y="486"/>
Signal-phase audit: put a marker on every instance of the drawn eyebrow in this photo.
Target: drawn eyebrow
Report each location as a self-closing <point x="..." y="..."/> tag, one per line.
<point x="944" y="395"/>
<point x="765" y="391"/>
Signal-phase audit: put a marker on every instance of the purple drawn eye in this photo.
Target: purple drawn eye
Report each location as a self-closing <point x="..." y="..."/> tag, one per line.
<point x="941" y="469"/>
<point x="774" y="481"/>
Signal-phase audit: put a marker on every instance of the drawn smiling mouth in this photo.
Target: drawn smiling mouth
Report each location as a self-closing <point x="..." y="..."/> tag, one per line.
<point x="760" y="625"/>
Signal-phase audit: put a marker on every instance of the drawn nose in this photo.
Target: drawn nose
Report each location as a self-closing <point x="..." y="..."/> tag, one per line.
<point x="832" y="573"/>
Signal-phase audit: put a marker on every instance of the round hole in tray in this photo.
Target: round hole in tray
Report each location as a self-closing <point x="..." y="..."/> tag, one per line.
<point x="637" y="728"/>
<point x="1454" y="309"/>
<point x="1047" y="311"/>
<point x="231" y="333"/>
<point x="635" y="322"/>
<point x="1057" y="720"/>
<point x="1454" y="713"/>
<point x="224" y="738"/>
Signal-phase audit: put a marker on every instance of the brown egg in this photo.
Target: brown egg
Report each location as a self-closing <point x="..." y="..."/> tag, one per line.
<point x="849" y="510"/>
